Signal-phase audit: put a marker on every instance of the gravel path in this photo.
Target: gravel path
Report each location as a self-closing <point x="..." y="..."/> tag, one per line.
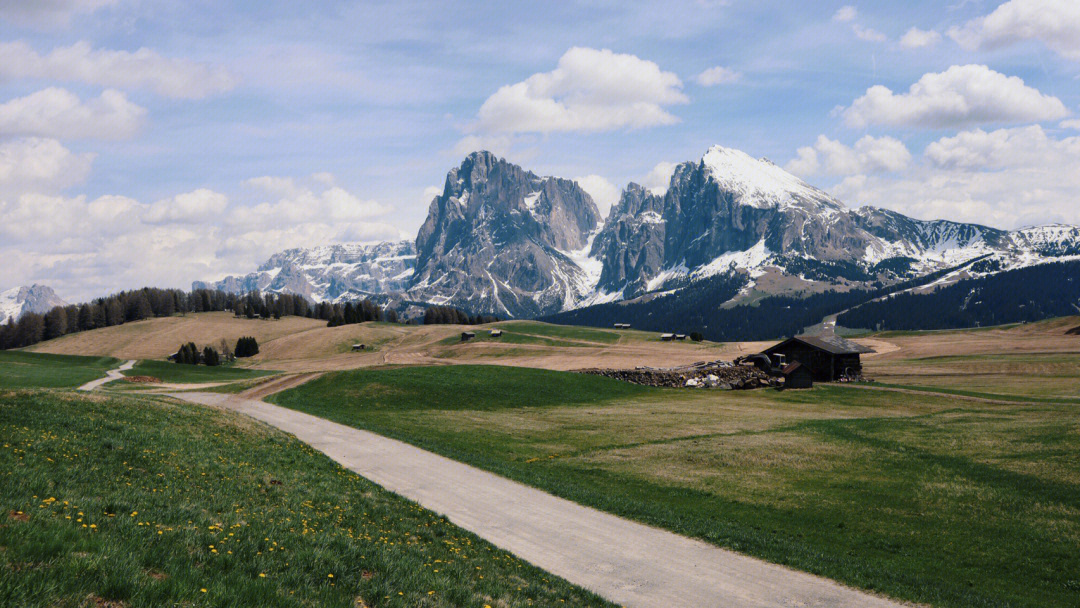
<point x="626" y="562"/>
<point x="112" y="374"/>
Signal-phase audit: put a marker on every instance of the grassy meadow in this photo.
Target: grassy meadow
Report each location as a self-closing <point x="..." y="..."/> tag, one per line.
<point x="193" y="374"/>
<point x="120" y="500"/>
<point x="930" y="499"/>
<point x="19" y="369"/>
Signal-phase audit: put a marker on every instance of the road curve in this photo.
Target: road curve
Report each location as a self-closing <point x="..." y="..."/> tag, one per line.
<point x="626" y="562"/>
<point x="112" y="374"/>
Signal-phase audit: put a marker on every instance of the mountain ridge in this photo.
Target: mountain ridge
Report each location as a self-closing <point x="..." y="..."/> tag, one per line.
<point x="502" y="240"/>
<point x="35" y="298"/>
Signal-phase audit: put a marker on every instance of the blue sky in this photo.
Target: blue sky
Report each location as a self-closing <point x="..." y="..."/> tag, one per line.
<point x="146" y="142"/>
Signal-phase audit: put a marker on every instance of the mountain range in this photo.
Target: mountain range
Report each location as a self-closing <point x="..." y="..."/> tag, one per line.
<point x="502" y="240"/>
<point x="18" y="301"/>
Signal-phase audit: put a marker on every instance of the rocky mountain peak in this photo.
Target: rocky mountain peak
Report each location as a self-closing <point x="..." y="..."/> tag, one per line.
<point x="18" y="301"/>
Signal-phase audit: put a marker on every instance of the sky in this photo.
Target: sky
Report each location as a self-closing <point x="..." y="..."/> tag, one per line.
<point x="145" y="142"/>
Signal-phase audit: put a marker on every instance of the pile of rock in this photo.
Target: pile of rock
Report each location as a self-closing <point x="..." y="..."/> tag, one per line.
<point x="142" y="379"/>
<point x="714" y="374"/>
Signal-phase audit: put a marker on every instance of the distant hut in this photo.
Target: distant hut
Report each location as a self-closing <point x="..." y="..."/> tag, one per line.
<point x="358" y="347"/>
<point x="467" y="335"/>
<point x="496" y="333"/>
<point x="680" y="336"/>
<point x="797" y="375"/>
<point x="829" y="358"/>
<point x="622" y="326"/>
<point x="667" y="337"/>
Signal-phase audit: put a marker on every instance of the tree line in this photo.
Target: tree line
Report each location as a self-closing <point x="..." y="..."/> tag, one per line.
<point x="448" y="315"/>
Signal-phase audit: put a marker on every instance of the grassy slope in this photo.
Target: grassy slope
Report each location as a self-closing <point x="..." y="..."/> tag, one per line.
<point x="126" y="499"/>
<point x="19" y="369"/>
<point x="172" y="372"/>
<point x="928" y="499"/>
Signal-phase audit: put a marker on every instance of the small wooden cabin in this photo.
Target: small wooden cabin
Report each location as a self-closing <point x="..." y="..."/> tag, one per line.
<point x="829" y="358"/>
<point x="496" y="333"/>
<point x="358" y="347"/>
<point x="797" y="375"/>
<point x="467" y="335"/>
<point x="667" y="337"/>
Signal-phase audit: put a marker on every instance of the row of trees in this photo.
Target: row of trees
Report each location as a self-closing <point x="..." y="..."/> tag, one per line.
<point x="116" y="309"/>
<point x="448" y="315"/>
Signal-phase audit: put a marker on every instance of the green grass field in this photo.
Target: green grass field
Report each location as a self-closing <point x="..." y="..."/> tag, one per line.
<point x="928" y="499"/>
<point x="19" y="369"/>
<point x="193" y="374"/>
<point x="120" y="500"/>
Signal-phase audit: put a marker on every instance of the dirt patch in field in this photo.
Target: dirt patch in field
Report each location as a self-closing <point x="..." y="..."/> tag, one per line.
<point x="142" y="379"/>
<point x="18" y="516"/>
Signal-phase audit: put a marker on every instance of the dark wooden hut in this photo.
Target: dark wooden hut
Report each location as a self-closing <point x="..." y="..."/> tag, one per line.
<point x="829" y="358"/>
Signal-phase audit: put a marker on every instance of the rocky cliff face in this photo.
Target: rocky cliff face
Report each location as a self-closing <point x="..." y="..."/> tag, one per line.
<point x="500" y="239"/>
<point x="18" y="301"/>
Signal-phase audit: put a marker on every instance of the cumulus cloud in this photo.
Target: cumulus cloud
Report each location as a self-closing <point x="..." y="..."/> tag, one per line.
<point x="868" y="155"/>
<point x="42" y="165"/>
<point x="1024" y="147"/>
<point x="197" y="207"/>
<point x="143" y="69"/>
<point x="59" y="113"/>
<point x="918" y="39"/>
<point x="1070" y="124"/>
<point x="1056" y="23"/>
<point x="869" y="34"/>
<point x="49" y="12"/>
<point x="845" y="14"/>
<point x="717" y="75"/>
<point x="960" y="96"/>
<point x="589" y="91"/>
<point x="1005" y="178"/>
<point x="659" y="178"/>
<point x="91" y="246"/>
<point x="604" y="193"/>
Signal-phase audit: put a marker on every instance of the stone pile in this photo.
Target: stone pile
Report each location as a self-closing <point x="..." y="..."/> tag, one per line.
<point x="715" y="374"/>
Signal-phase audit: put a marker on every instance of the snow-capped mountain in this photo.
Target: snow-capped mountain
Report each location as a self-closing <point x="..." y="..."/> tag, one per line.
<point x="329" y="273"/>
<point x="502" y="240"/>
<point x="18" y="301"/>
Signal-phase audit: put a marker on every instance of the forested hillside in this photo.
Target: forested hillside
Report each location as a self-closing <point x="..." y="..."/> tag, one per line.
<point x="1027" y="294"/>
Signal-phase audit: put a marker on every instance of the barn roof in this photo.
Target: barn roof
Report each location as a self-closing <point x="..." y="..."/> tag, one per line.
<point x="830" y="344"/>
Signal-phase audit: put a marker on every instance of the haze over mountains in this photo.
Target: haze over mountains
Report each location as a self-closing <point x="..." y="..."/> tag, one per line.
<point x="501" y="240"/>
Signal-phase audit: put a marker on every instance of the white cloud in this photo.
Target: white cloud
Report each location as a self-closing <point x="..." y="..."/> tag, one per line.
<point x="1054" y="22"/>
<point x="845" y="14"/>
<point x="43" y="165"/>
<point x="1070" y="124"/>
<point x="55" y="112"/>
<point x="868" y="34"/>
<point x="591" y="90"/>
<point x="49" y="12"/>
<point x="717" y="75"/>
<point x="868" y="155"/>
<point x="197" y="207"/>
<point x="144" y="69"/>
<point x="918" y="39"/>
<point x="1024" y="147"/>
<point x="959" y="96"/>
<point x="659" y="178"/>
<point x="1006" y="178"/>
<point x="88" y="247"/>
<point x="604" y="193"/>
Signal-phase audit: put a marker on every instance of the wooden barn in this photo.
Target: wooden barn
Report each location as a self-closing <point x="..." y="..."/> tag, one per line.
<point x="829" y="358"/>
